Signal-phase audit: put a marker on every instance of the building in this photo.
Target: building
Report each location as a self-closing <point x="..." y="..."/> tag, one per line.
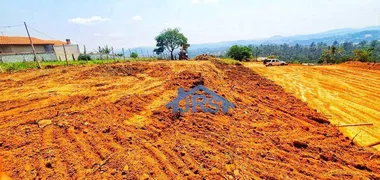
<point x="18" y="49"/>
<point x="21" y="45"/>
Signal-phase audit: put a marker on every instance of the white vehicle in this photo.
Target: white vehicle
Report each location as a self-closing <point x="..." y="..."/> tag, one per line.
<point x="275" y="62"/>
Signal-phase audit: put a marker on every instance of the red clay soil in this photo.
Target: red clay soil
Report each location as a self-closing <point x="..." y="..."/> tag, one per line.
<point x="364" y="65"/>
<point x="110" y="121"/>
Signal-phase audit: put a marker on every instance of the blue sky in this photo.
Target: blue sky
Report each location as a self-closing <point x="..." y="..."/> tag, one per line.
<point x="127" y="23"/>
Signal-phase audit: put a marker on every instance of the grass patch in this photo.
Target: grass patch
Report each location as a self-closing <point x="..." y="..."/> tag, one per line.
<point x="17" y="66"/>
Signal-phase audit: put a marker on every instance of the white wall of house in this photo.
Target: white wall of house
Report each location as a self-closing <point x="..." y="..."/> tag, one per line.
<point x="27" y="48"/>
<point x="5" y="49"/>
<point x="22" y="48"/>
<point x="71" y="50"/>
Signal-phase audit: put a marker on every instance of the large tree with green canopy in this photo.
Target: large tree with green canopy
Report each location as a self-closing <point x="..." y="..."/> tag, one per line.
<point x="170" y="39"/>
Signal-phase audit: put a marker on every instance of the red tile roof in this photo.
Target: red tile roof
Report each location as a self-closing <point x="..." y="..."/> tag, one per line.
<point x="16" y="40"/>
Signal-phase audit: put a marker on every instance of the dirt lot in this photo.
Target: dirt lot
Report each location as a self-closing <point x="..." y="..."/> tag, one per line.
<point x="348" y="93"/>
<point x="110" y="121"/>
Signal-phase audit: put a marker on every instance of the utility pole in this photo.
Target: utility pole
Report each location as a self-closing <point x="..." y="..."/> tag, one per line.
<point x="85" y="55"/>
<point x="31" y="43"/>
<point x="123" y="53"/>
<point x="129" y="52"/>
<point x="64" y="50"/>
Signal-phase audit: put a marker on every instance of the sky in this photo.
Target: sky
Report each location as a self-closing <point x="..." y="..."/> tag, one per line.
<point x="135" y="23"/>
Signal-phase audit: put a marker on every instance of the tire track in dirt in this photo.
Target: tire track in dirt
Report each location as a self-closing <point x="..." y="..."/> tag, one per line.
<point x="348" y="94"/>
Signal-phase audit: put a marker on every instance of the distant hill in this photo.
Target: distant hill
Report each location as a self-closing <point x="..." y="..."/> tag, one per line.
<point x="328" y="37"/>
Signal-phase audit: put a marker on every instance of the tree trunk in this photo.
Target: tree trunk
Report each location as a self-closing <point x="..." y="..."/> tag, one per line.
<point x="171" y="55"/>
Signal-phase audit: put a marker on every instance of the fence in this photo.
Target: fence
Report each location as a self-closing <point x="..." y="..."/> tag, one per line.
<point x="105" y="56"/>
<point x="72" y="51"/>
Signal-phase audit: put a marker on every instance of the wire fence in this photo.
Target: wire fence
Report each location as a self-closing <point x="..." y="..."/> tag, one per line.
<point x="11" y="53"/>
<point x="27" y="57"/>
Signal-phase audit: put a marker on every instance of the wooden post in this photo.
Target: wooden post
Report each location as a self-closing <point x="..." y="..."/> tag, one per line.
<point x="64" y="50"/>
<point x="31" y="43"/>
<point x="113" y="54"/>
<point x="123" y="53"/>
<point x="85" y="55"/>
<point x="101" y="53"/>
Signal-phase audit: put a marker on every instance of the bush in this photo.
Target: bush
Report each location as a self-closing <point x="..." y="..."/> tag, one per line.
<point x="272" y="57"/>
<point x="239" y="52"/>
<point x="134" y="55"/>
<point x="363" y="55"/>
<point x="83" y="57"/>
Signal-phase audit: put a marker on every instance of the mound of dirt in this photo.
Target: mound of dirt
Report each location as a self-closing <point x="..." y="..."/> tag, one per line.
<point x="127" y="132"/>
<point x="363" y="65"/>
<point x="187" y="79"/>
<point x="113" y="70"/>
<point x="204" y="57"/>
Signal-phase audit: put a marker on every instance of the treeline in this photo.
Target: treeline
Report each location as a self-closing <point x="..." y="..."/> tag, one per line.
<point x="321" y="52"/>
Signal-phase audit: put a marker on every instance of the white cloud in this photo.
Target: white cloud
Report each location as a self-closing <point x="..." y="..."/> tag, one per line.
<point x="137" y="18"/>
<point x="91" y="20"/>
<point x="96" y="34"/>
<point x="204" y="1"/>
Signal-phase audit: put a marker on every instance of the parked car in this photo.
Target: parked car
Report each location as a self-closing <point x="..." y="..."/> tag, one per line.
<point x="275" y="62"/>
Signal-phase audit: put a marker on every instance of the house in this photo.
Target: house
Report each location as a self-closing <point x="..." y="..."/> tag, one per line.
<point x="182" y="95"/>
<point x="18" y="49"/>
<point x="21" y="45"/>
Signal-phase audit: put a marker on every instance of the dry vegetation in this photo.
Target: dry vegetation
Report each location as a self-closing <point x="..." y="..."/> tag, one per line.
<point x="110" y="121"/>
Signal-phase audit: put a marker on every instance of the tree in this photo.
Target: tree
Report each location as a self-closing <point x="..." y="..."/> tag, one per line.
<point x="373" y="43"/>
<point x="134" y="55"/>
<point x="331" y="55"/>
<point x="335" y="43"/>
<point x="255" y="51"/>
<point x="169" y="39"/>
<point x="363" y="43"/>
<point x="104" y="50"/>
<point x="326" y="57"/>
<point x="363" y="55"/>
<point x="239" y="52"/>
